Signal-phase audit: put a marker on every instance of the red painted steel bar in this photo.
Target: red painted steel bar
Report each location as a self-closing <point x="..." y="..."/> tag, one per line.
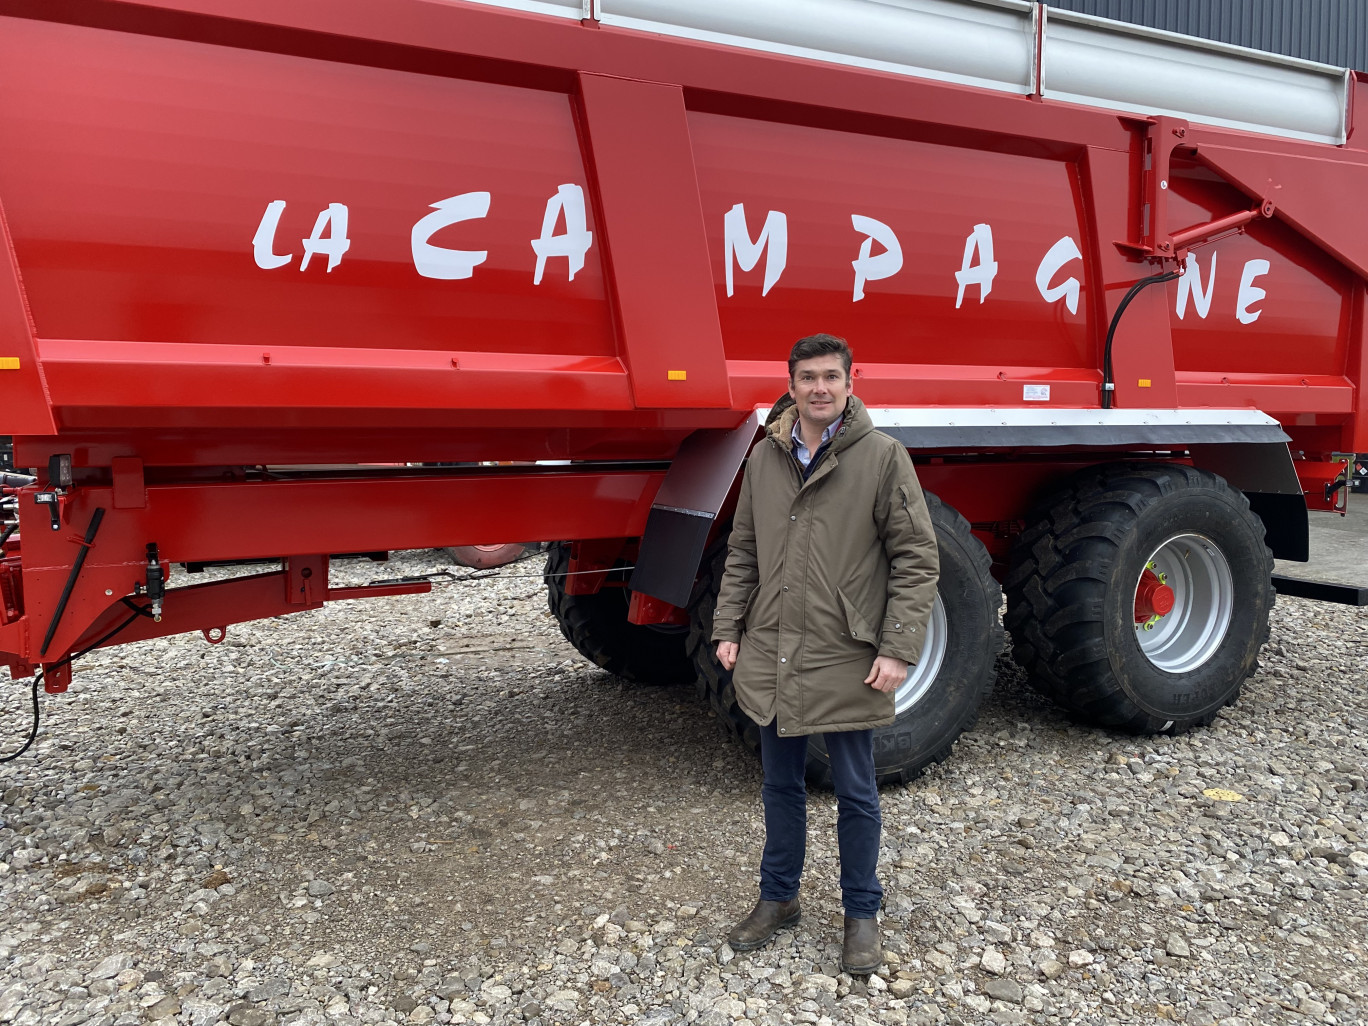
<point x="237" y="520"/>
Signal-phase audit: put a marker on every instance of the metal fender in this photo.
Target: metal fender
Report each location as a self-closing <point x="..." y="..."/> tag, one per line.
<point x="1264" y="471"/>
<point x="686" y="507"/>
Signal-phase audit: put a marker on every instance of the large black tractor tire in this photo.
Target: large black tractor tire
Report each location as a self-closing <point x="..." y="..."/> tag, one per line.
<point x="1077" y="585"/>
<point x="941" y="698"/>
<point x="598" y="627"/>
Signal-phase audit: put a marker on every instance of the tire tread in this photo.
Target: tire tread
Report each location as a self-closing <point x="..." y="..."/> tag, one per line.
<point x="607" y="639"/>
<point x="1057" y="585"/>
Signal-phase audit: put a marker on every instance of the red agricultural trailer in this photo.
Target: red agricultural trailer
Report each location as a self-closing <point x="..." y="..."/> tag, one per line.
<point x="286" y="281"/>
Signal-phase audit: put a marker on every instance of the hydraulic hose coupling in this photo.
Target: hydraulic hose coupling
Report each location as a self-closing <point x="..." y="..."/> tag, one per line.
<point x="156" y="582"/>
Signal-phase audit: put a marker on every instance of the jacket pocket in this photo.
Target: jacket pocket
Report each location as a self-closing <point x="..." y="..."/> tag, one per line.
<point x="905" y="499"/>
<point x="857" y="622"/>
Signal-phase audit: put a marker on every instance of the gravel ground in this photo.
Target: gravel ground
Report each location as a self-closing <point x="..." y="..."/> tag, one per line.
<point x="432" y="810"/>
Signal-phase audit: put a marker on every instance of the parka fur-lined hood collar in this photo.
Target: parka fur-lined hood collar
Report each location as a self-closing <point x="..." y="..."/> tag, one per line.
<point x="856" y="425"/>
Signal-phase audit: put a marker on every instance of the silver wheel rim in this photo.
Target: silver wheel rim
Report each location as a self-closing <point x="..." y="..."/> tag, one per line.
<point x="1203" y="599"/>
<point x="921" y="676"/>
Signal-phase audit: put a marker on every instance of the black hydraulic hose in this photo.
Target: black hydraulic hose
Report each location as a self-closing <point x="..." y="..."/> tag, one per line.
<point x="6" y="536"/>
<point x="38" y="677"/>
<point x="33" y="733"/>
<point x="71" y="578"/>
<point x="1107" y="384"/>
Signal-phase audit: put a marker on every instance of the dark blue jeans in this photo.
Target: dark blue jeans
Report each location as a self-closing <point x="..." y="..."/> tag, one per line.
<point x="858" y="820"/>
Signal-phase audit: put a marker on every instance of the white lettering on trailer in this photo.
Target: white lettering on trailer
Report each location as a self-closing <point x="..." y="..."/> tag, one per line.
<point x="569" y="201"/>
<point x="980" y="240"/>
<point x="1190" y="284"/>
<point x="567" y="207"/>
<point x="773" y="242"/>
<point x="1249" y="292"/>
<point x="263" y="242"/>
<point x="1061" y="253"/>
<point x="873" y="267"/>
<point x="437" y="261"/>
<point x="878" y="266"/>
<point x="335" y="244"/>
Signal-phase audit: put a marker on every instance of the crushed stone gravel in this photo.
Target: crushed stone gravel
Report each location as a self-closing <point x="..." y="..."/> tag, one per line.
<point x="432" y="810"/>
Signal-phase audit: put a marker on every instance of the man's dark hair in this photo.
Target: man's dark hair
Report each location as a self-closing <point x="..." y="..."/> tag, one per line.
<point x="820" y="345"/>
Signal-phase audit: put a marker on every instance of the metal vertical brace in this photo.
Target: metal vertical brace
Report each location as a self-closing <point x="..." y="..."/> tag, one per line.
<point x="1162" y="137"/>
<point x="1039" y="15"/>
<point x="1158" y="241"/>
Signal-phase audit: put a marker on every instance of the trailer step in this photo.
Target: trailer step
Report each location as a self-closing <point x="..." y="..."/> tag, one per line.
<point x="1321" y="591"/>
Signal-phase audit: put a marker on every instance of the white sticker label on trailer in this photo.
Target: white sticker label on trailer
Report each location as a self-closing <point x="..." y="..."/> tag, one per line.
<point x="1035" y="393"/>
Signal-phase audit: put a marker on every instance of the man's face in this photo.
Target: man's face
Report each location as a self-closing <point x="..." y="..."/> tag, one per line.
<point x="819" y="388"/>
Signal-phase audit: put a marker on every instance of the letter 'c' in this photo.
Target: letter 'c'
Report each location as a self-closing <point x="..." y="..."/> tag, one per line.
<point x="448" y="264"/>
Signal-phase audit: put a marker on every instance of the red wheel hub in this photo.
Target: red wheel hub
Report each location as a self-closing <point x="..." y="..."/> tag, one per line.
<point x="1152" y="597"/>
<point x="482" y="557"/>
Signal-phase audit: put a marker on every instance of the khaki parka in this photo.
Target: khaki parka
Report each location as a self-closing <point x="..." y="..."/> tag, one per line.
<point x="823" y="575"/>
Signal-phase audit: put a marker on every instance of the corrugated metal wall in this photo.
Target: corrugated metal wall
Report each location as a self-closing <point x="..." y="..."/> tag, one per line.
<point x="1329" y="31"/>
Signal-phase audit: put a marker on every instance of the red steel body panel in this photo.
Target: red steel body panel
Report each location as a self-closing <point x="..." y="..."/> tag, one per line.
<point x="931" y="195"/>
<point x="134" y="173"/>
<point x="141" y="166"/>
<point x="241" y="233"/>
<point x="671" y="349"/>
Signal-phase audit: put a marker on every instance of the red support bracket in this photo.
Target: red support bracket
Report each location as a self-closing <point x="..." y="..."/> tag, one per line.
<point x="1164" y="137"/>
<point x="306" y="580"/>
<point x="211" y="607"/>
<point x="1325" y="483"/>
<point x="56" y="678"/>
<point x="647" y="609"/>
<point x="19" y="670"/>
<point x="1200" y="234"/>
<point x="11" y="590"/>
<point x="590" y="564"/>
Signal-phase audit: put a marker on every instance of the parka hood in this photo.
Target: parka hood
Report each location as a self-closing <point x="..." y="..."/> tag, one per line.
<point x="855" y="426"/>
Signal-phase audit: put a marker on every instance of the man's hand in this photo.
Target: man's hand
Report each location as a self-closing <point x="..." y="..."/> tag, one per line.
<point x="887" y="674"/>
<point x="726" y="654"/>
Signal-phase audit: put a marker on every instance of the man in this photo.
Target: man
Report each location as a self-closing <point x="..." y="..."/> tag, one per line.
<point x="831" y="574"/>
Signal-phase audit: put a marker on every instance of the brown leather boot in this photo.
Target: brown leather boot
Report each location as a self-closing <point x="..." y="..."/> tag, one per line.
<point x="863" y="950"/>
<point x="765" y="920"/>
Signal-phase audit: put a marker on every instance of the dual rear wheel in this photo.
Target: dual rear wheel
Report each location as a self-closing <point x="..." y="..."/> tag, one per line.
<point x="1137" y="598"/>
